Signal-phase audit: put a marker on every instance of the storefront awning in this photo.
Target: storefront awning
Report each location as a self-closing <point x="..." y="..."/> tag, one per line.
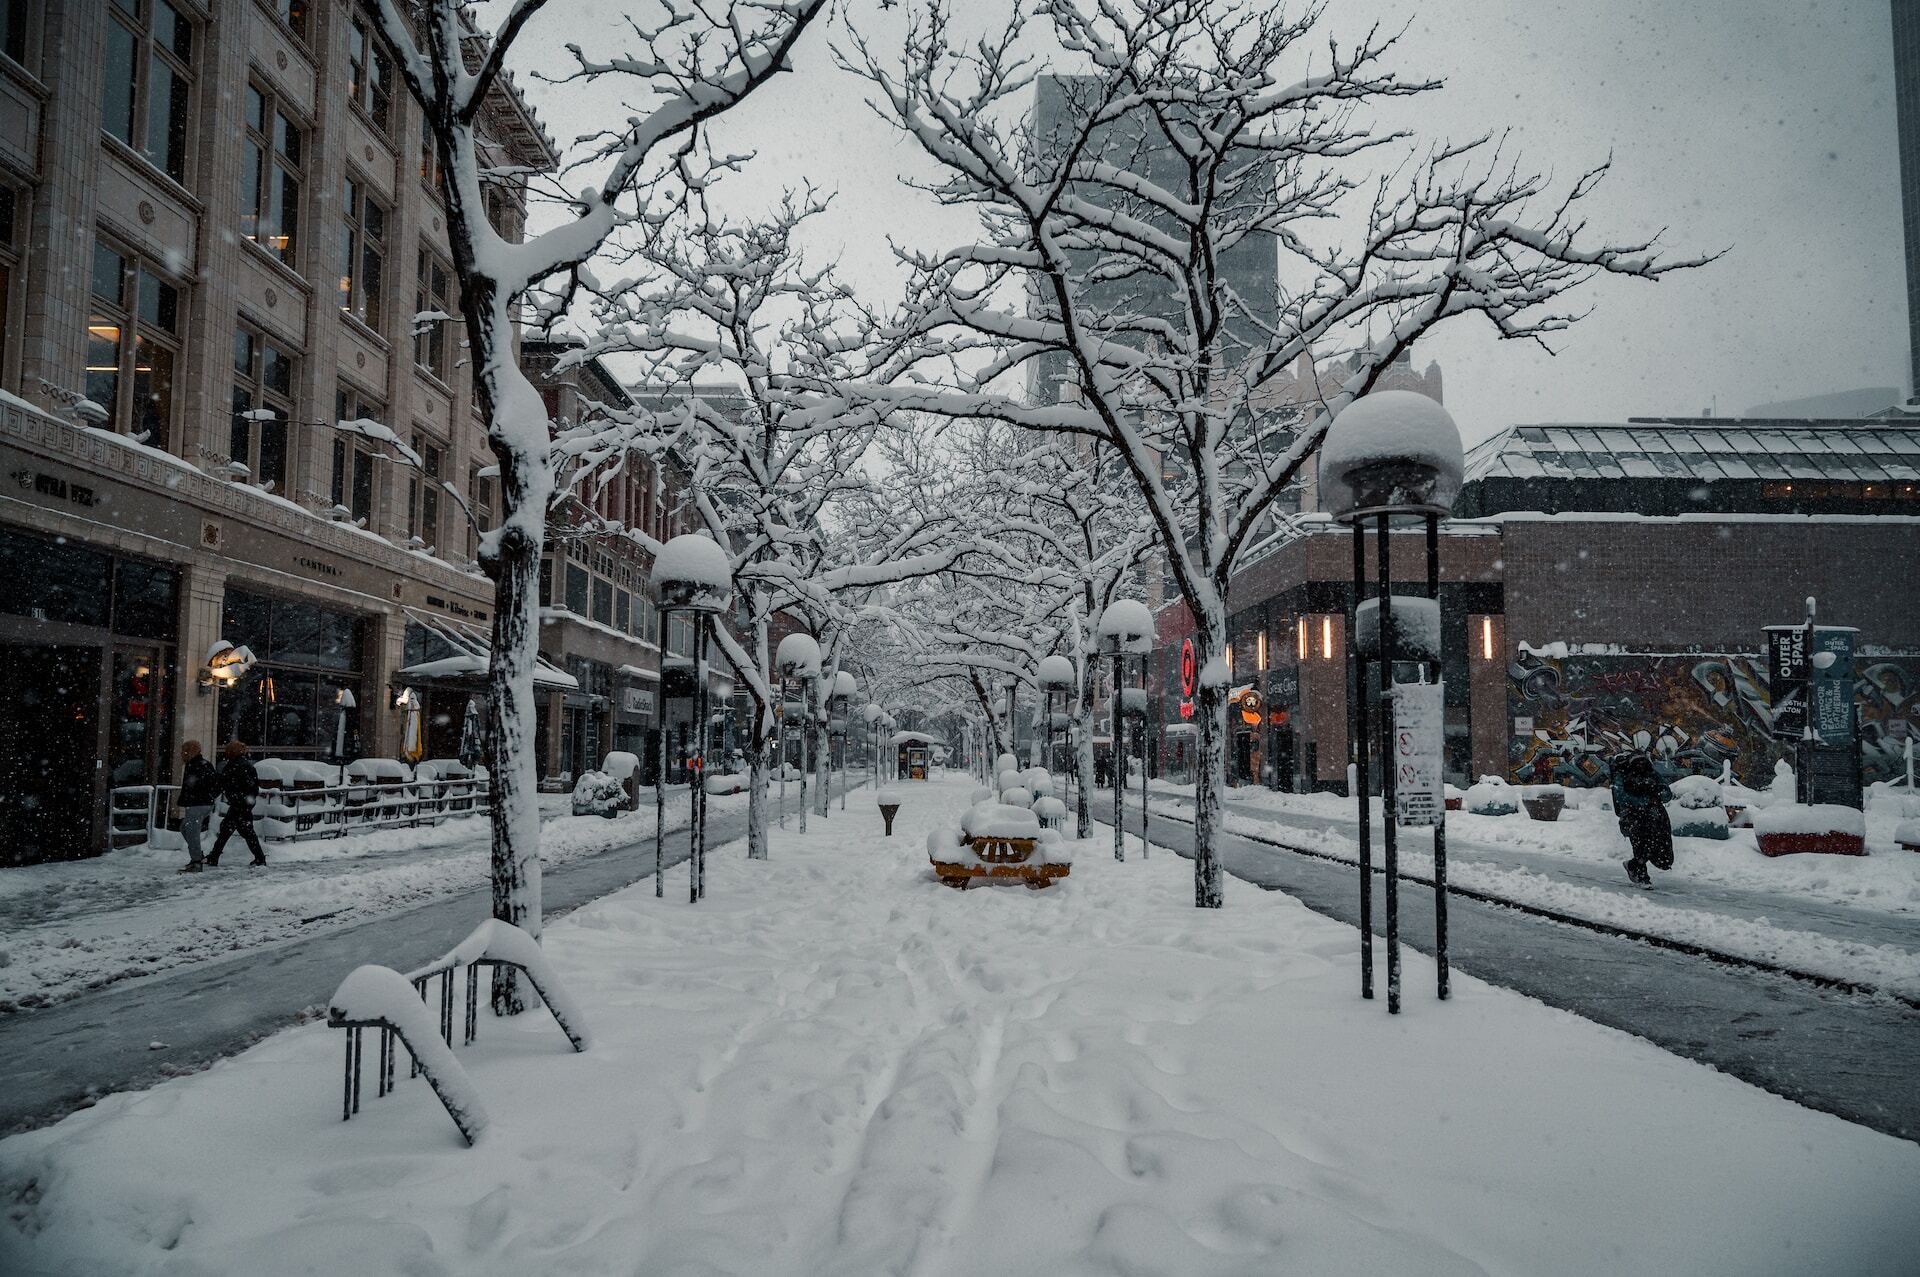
<point x="466" y="666"/>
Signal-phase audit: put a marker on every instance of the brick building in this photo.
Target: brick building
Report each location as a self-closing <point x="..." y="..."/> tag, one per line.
<point x="217" y="224"/>
<point x="1604" y="580"/>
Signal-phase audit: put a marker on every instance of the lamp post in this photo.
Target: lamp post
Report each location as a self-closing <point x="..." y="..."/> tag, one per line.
<point x="1395" y="454"/>
<point x="798" y="657"/>
<point x="691" y="574"/>
<point x="845" y="685"/>
<point x="870" y="715"/>
<point x="1054" y="676"/>
<point x="1126" y="629"/>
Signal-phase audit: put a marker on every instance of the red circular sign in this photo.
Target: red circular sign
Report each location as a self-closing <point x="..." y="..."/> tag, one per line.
<point x="1189" y="670"/>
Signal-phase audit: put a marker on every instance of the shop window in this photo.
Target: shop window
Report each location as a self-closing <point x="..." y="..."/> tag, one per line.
<point x="370" y="75"/>
<point x="133" y="344"/>
<point x="149" y="78"/>
<point x="363" y="254"/>
<point x="433" y="309"/>
<point x="271" y="172"/>
<point x="262" y="407"/>
<point x="292" y="703"/>
<point x="145" y="600"/>
<point x="53" y="580"/>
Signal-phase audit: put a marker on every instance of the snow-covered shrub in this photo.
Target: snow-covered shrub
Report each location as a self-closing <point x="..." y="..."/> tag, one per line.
<point x="598" y="794"/>
<point x="1492" y="796"/>
<point x="1696" y="793"/>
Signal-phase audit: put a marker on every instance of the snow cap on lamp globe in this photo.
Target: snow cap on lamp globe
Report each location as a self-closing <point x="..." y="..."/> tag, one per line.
<point x="798" y="656"/>
<point x="1127" y="626"/>
<point x="1054" y="673"/>
<point x="691" y="574"/>
<point x="845" y="684"/>
<point x="1391" y="452"/>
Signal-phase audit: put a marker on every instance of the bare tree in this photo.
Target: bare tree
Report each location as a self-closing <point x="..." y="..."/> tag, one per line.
<point x="696" y="62"/>
<point x="1200" y="131"/>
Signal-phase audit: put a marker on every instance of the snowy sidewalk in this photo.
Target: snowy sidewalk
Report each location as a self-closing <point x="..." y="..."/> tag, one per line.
<point x="835" y="1065"/>
<point x="1850" y="918"/>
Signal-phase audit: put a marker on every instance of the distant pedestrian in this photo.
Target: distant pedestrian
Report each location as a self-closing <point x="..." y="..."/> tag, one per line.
<point x="240" y="785"/>
<point x="199" y="787"/>
<point x="1640" y="800"/>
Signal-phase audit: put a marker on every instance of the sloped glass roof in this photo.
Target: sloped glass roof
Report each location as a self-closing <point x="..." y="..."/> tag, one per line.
<point x="1871" y="450"/>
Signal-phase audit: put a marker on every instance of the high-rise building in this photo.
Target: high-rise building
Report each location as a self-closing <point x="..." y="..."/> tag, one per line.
<point x="1906" y="101"/>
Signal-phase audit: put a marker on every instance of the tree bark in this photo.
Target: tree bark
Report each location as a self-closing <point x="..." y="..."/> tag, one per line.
<point x="1211" y="712"/>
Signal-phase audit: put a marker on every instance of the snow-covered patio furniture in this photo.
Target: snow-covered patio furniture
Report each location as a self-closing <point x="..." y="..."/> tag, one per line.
<point x="377" y="997"/>
<point x="996" y="842"/>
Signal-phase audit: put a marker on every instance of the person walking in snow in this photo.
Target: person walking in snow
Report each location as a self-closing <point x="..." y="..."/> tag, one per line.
<point x="240" y="784"/>
<point x="199" y="787"/>
<point x="1640" y="800"/>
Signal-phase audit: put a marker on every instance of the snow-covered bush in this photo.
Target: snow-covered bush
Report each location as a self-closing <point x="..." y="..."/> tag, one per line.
<point x="1492" y="796"/>
<point x="1696" y="793"/>
<point x="1697" y="810"/>
<point x="598" y="794"/>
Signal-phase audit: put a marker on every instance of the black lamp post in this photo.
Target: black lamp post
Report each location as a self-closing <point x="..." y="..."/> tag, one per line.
<point x="1126" y="629"/>
<point x="1054" y="676"/>
<point x="691" y="575"/>
<point x="1394" y="455"/>
<point x="798" y="657"/>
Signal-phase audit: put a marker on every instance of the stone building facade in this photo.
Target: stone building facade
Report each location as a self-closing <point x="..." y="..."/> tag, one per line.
<point x="218" y="224"/>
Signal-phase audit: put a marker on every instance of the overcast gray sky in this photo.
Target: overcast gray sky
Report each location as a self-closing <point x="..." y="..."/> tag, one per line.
<point x="1765" y="127"/>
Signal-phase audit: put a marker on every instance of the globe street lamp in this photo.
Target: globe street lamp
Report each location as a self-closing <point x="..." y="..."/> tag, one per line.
<point x="1054" y="675"/>
<point x="691" y="574"/>
<point x="1126" y="629"/>
<point x="797" y="658"/>
<point x="1395" y="454"/>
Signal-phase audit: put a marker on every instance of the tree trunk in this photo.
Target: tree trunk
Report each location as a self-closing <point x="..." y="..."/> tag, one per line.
<point x="1211" y="712"/>
<point x="759" y="781"/>
<point x="1083" y="751"/>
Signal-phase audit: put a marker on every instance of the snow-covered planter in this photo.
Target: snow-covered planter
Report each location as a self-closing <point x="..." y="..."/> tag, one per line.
<point x="726" y="783"/>
<point x="1786" y="829"/>
<point x="1907" y="834"/>
<point x="1492" y="797"/>
<point x="1697" y="810"/>
<point x="598" y="794"/>
<point x="1544" y="802"/>
<point x="1455" y="796"/>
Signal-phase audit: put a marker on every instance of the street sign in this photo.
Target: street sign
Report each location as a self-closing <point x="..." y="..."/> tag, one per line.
<point x="1419" y="721"/>
<point x="1787" y="690"/>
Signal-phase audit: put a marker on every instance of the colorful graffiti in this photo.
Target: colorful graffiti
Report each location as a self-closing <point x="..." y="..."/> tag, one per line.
<point x="1697" y="712"/>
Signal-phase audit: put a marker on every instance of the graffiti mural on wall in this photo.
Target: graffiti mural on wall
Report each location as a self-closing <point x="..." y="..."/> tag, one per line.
<point x="1699" y="712"/>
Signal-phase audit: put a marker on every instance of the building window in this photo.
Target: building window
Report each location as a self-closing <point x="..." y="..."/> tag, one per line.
<point x="480" y="497"/>
<point x="262" y="406"/>
<point x="14" y="17"/>
<point x="9" y="268"/>
<point x="149" y="75"/>
<point x="433" y="308"/>
<point x="353" y="462"/>
<point x="290" y="704"/>
<point x="133" y="345"/>
<point x="429" y="160"/>
<point x="270" y="180"/>
<point x="292" y="15"/>
<point x="363" y="254"/>
<point x="371" y="75"/>
<point x="603" y="600"/>
<point x="423" y="492"/>
<point x="577" y="583"/>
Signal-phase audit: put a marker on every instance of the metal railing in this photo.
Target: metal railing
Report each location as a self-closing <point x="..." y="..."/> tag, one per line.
<point x="136" y="812"/>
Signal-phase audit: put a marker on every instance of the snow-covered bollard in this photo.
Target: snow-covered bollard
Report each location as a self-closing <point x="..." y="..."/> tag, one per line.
<point x="888" y="799"/>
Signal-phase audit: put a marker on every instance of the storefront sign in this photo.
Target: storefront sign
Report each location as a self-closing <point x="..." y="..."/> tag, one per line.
<point x="1419" y="715"/>
<point x="1283" y="685"/>
<point x="1189" y="669"/>
<point x="1787" y="680"/>
<point x="638" y="700"/>
<point x="52" y="485"/>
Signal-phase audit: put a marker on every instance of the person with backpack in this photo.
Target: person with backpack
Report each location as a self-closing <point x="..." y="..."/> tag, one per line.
<point x="239" y="785"/>
<point x="1640" y="800"/>
<point x="199" y="787"/>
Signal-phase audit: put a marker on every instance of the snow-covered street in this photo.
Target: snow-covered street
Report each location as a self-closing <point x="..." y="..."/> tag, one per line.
<point x="837" y="1065"/>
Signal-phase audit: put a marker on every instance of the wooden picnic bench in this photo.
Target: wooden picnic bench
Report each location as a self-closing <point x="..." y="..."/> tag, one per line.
<point x="1001" y="858"/>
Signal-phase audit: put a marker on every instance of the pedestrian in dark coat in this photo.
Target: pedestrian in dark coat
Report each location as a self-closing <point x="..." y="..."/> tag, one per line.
<point x="239" y="785"/>
<point x="1640" y="800"/>
<point x="199" y="787"/>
